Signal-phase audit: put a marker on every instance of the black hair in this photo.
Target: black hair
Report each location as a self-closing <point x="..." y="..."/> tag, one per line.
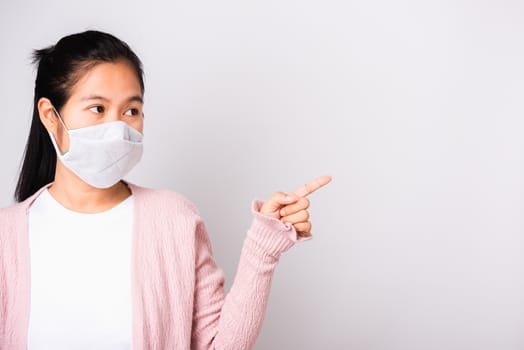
<point x="59" y="68"/>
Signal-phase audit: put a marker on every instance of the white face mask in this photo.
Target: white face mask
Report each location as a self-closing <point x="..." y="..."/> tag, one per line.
<point x="102" y="154"/>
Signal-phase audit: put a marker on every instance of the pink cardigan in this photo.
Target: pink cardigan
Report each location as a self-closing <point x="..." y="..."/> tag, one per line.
<point x="178" y="299"/>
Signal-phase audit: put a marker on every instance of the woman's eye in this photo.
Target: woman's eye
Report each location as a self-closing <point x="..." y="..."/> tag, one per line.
<point x="132" y="111"/>
<point x="97" y="109"/>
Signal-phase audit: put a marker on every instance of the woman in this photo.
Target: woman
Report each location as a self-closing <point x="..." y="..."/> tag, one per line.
<point x="66" y="282"/>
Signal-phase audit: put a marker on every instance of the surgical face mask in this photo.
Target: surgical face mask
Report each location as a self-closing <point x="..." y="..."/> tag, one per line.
<point x="102" y="154"/>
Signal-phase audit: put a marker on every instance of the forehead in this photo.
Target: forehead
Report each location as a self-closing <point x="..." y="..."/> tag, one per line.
<point x="113" y="81"/>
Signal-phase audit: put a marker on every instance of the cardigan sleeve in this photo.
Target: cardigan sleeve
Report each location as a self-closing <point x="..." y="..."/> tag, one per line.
<point x="233" y="321"/>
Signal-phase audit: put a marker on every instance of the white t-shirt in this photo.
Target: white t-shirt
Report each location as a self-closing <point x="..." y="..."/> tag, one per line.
<point x="80" y="276"/>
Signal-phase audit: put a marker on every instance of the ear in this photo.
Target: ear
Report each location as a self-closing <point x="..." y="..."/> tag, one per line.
<point x="47" y="115"/>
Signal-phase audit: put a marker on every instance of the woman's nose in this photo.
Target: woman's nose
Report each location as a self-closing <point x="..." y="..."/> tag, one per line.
<point x="113" y="116"/>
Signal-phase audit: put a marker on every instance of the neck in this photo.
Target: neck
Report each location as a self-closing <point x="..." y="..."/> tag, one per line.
<point x="74" y="194"/>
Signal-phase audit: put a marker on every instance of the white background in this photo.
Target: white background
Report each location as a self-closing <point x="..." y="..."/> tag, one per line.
<point x="414" y="107"/>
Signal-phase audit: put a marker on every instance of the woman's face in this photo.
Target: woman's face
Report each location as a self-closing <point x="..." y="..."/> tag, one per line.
<point x="107" y="92"/>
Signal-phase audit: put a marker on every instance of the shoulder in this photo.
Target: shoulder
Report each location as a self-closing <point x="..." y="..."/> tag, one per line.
<point x="20" y="208"/>
<point x="9" y="211"/>
<point x="12" y="217"/>
<point x="162" y="200"/>
<point x="14" y="209"/>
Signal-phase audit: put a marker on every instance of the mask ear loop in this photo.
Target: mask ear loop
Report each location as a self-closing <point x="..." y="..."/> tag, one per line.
<point x="61" y="121"/>
<point x="60" y="118"/>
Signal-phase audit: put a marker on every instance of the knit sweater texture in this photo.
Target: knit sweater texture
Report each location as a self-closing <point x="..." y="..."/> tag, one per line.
<point x="178" y="298"/>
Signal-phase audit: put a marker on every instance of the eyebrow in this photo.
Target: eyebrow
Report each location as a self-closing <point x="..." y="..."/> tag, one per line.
<point x="136" y="98"/>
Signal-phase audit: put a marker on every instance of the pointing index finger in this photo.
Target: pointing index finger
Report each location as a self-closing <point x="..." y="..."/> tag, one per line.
<point x="312" y="186"/>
